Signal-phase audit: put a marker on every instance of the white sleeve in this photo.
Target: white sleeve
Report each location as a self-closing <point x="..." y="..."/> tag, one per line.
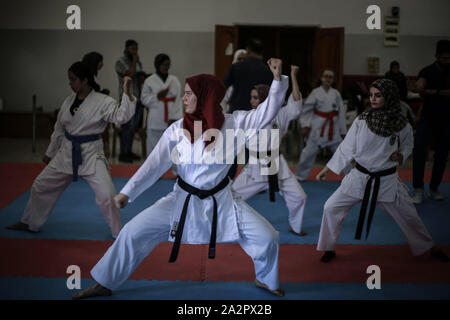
<point x="292" y="110"/>
<point x="148" y="96"/>
<point x="406" y="137"/>
<point x="261" y="116"/>
<point x="341" y="115"/>
<point x="345" y="151"/>
<point x="308" y="110"/>
<point x="56" y="137"/>
<point x="118" y="114"/>
<point x="156" y="164"/>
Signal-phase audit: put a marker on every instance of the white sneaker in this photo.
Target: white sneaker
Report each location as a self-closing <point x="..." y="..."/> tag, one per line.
<point x="436" y="195"/>
<point x="300" y="178"/>
<point x="417" y="198"/>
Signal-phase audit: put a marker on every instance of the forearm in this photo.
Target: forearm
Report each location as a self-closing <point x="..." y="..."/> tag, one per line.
<point x="130" y="72"/>
<point x="296" y="94"/>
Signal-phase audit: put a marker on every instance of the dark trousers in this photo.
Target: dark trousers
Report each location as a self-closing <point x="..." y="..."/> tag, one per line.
<point x="425" y="131"/>
<point x="129" y="129"/>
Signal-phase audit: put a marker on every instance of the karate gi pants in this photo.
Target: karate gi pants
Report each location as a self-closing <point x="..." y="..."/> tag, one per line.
<point x="145" y="231"/>
<point x="402" y="210"/>
<point x="50" y="184"/>
<point x="290" y="190"/>
<point x="308" y="156"/>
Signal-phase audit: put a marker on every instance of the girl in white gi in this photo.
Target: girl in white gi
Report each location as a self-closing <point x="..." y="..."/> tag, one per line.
<point x="76" y="149"/>
<point x="250" y="181"/>
<point x="161" y="94"/>
<point x="378" y="140"/>
<point x="207" y="214"/>
<point x="322" y="121"/>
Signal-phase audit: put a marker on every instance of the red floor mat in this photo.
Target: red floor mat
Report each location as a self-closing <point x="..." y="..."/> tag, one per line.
<point x="297" y="263"/>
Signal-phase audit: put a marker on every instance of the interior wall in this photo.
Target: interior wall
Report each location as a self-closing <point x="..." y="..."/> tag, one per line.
<point x="37" y="48"/>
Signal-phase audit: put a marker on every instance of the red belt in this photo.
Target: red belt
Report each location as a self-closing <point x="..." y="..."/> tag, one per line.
<point x="329" y="118"/>
<point x="166" y="107"/>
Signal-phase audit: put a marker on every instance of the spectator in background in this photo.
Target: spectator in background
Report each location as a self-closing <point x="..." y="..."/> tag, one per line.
<point x="239" y="56"/>
<point x="399" y="78"/>
<point x="245" y="75"/>
<point x="434" y="83"/>
<point x="128" y="65"/>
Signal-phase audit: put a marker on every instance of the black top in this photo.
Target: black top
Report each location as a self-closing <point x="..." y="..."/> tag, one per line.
<point x="435" y="106"/>
<point x="400" y="79"/>
<point x="74" y="107"/>
<point x="243" y="76"/>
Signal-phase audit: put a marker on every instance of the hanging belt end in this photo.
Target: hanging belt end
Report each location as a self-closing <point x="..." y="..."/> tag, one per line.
<point x="212" y="253"/>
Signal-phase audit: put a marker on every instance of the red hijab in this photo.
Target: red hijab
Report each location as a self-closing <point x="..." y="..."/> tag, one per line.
<point x="209" y="91"/>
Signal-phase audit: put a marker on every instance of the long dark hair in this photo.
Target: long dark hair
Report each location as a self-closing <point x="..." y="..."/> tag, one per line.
<point x="92" y="59"/>
<point x="82" y="71"/>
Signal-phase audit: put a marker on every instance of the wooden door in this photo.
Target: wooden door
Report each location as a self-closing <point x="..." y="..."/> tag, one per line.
<point x="328" y="53"/>
<point x="226" y="43"/>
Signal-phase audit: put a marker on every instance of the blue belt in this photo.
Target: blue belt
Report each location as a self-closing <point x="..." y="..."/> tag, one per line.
<point x="76" y="149"/>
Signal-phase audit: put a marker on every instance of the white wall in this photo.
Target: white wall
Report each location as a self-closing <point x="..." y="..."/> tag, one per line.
<point x="37" y="48"/>
<point x="418" y="17"/>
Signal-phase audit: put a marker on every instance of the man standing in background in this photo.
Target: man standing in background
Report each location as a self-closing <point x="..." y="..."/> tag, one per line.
<point x="245" y="75"/>
<point x="128" y="65"/>
<point x="434" y="83"/>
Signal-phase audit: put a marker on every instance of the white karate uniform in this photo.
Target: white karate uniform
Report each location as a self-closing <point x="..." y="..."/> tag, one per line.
<point x="156" y="123"/>
<point x="225" y="105"/>
<point x="250" y="181"/>
<point x="92" y="116"/>
<point x="236" y="220"/>
<point x="322" y="101"/>
<point x="372" y="152"/>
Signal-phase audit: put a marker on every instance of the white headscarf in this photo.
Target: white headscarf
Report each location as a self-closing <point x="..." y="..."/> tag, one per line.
<point x="238" y="53"/>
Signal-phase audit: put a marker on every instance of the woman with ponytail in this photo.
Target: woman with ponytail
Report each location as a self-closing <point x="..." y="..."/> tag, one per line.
<point x="76" y="150"/>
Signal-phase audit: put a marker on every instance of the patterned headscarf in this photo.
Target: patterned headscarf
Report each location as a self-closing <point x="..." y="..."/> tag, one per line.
<point x="387" y="120"/>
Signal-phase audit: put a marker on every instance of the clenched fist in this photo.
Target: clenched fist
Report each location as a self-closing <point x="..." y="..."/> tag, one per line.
<point x="275" y="66"/>
<point x="121" y="200"/>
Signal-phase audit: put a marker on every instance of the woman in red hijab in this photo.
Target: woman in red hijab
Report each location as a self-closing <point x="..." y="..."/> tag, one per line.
<point x="201" y="208"/>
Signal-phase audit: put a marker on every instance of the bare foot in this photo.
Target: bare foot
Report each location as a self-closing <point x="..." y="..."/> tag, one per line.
<point x="95" y="290"/>
<point x="301" y="234"/>
<point x="19" y="226"/>
<point x="278" y="292"/>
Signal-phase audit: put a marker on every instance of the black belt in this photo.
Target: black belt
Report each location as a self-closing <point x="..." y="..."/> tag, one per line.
<point x="365" y="202"/>
<point x="273" y="178"/>
<point x="202" y="194"/>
